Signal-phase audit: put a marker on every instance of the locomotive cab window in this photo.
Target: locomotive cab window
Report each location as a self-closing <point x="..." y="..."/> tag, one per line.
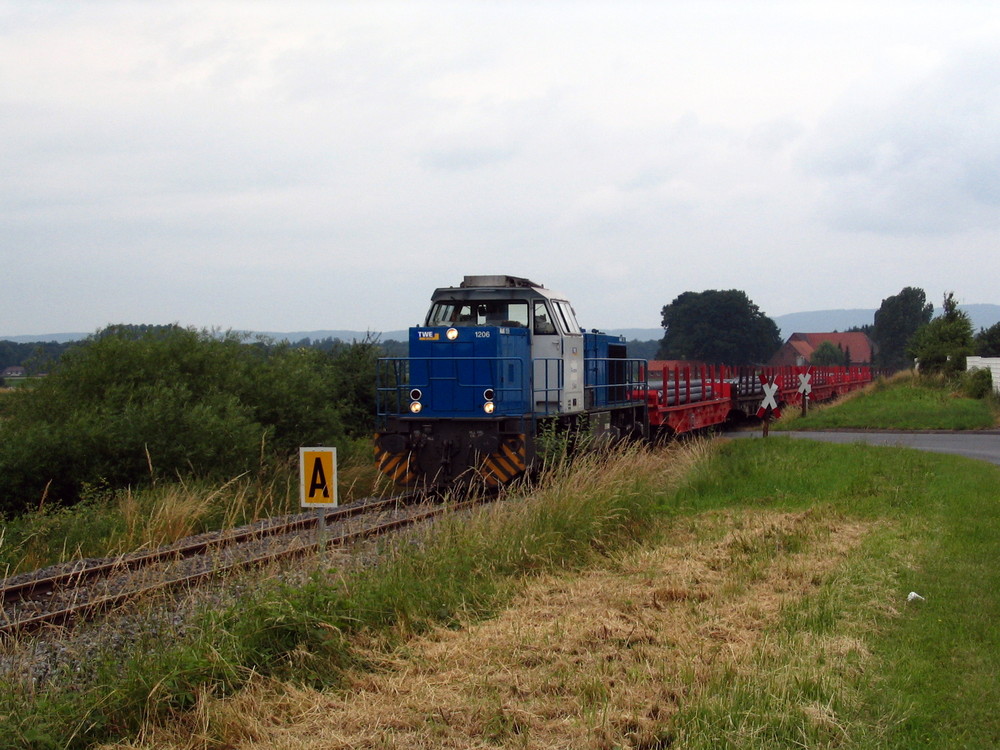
<point x="508" y="313"/>
<point x="543" y="322"/>
<point x="567" y="318"/>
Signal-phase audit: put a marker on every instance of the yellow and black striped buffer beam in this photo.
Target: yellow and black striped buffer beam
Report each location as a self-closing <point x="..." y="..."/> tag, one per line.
<point x="506" y="463"/>
<point x="397" y="466"/>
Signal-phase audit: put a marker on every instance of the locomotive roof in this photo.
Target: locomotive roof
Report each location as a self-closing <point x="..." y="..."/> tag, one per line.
<point x="494" y="287"/>
<point x="493" y="281"/>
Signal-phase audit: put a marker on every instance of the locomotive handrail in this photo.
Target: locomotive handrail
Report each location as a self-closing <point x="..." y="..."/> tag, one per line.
<point x="393" y="399"/>
<point x="395" y="381"/>
<point x="546" y="396"/>
<point x="622" y="381"/>
<point x="505" y="379"/>
<point x="470" y="402"/>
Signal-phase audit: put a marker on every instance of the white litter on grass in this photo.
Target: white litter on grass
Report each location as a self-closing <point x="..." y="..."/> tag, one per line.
<point x="915" y="597"/>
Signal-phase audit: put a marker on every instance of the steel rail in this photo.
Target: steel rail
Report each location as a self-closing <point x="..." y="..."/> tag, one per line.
<point x="15" y="592"/>
<point x="69" y="614"/>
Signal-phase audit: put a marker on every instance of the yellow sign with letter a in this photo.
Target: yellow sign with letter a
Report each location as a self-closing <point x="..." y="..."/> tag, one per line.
<point x="318" y="477"/>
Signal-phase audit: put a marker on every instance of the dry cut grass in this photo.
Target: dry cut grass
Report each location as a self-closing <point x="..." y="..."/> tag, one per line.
<point x="614" y="656"/>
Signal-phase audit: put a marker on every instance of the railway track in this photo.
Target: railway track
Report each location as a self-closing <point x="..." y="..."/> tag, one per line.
<point x="95" y="586"/>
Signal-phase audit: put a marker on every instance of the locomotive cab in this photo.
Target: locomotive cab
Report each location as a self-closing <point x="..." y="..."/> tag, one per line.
<point x="497" y="359"/>
<point x="555" y="338"/>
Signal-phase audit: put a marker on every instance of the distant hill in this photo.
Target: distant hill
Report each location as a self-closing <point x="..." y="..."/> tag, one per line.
<point x="347" y="336"/>
<point x="823" y="321"/>
<point x="642" y="334"/>
<point x="817" y="321"/>
<point x="59" y="338"/>
<point x="983" y="316"/>
<point x="62" y="338"/>
<point x="803" y="322"/>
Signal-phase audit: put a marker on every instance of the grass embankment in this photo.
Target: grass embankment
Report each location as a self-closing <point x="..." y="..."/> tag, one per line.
<point x="756" y="600"/>
<point x="905" y="402"/>
<point x="111" y="522"/>
<point x="464" y="569"/>
<point x="909" y="674"/>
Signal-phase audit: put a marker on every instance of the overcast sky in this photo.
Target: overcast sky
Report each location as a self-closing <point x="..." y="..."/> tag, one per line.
<point x="290" y="166"/>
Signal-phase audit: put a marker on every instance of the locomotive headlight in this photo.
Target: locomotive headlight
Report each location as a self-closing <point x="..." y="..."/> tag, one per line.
<point x="488" y="407"/>
<point x="452" y="334"/>
<point x="415" y="407"/>
<point x="488" y="394"/>
<point x="416" y="395"/>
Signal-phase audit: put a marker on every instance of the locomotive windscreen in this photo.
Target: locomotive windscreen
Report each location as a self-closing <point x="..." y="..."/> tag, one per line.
<point x="509" y="313"/>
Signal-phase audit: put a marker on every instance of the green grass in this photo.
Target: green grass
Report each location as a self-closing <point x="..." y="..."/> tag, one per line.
<point x="910" y="404"/>
<point x="933" y="677"/>
<point x="466" y="567"/>
<point x="922" y="674"/>
<point x="111" y="521"/>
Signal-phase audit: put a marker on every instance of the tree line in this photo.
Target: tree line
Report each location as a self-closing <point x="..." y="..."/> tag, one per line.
<point x="726" y="327"/>
<point x="38" y="357"/>
<point x="906" y="331"/>
<point x="35" y="358"/>
<point x="131" y="405"/>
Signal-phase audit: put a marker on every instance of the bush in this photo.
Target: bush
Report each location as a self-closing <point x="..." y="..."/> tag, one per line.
<point x="942" y="345"/>
<point x="131" y="406"/>
<point x="977" y="383"/>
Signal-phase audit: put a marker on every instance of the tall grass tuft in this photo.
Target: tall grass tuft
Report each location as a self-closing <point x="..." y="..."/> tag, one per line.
<point x="458" y="569"/>
<point x="109" y="522"/>
<point x="786" y="574"/>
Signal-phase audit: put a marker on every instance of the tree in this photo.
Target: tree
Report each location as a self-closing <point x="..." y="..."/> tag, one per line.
<point x="718" y="327"/>
<point x="943" y="344"/>
<point x="133" y="404"/>
<point x="896" y="321"/>
<point x="988" y="341"/>
<point x="36" y="357"/>
<point x="828" y="354"/>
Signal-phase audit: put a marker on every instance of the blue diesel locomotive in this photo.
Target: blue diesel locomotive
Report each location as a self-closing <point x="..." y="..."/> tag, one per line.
<point x="499" y="361"/>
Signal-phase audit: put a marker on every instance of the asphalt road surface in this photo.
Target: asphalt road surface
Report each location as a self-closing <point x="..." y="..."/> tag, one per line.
<point x="981" y="444"/>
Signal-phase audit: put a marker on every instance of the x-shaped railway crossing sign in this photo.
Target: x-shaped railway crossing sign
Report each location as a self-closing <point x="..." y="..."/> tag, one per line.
<point x="805" y="388"/>
<point x="769" y="403"/>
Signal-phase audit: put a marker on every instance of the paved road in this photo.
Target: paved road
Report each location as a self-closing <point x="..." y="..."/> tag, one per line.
<point x="981" y="444"/>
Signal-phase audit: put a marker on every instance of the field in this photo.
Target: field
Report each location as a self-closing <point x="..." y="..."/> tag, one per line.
<point x="744" y="594"/>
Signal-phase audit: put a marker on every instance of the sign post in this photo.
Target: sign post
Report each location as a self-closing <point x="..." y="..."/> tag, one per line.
<point x="805" y="388"/>
<point x="318" y="485"/>
<point x="769" y="405"/>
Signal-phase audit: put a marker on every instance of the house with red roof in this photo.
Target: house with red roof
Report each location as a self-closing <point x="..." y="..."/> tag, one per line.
<point x="799" y="348"/>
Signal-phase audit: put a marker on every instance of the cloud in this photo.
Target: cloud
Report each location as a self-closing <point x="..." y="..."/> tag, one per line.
<point x="923" y="158"/>
<point x="457" y="158"/>
<point x="269" y="164"/>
